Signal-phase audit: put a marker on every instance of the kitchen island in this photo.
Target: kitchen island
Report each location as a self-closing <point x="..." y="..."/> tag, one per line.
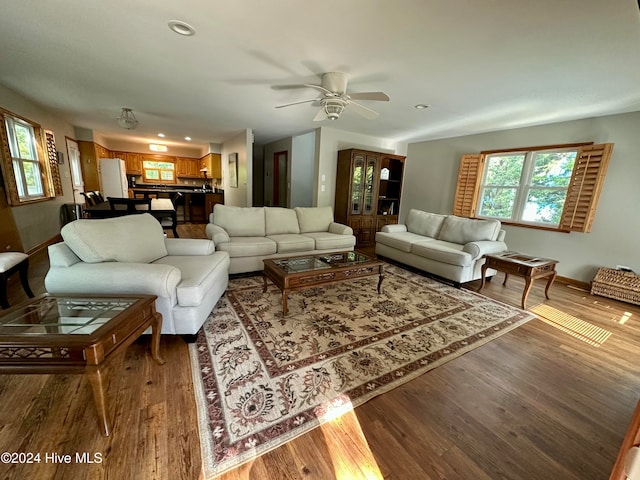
<point x="192" y="205"/>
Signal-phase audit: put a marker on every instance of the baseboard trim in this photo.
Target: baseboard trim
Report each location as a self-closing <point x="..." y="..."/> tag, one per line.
<point x="43" y="246"/>
<point x="574" y="283"/>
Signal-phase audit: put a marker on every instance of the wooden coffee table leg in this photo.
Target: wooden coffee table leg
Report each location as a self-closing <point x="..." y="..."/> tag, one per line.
<point x="525" y="294"/>
<point x="285" y="308"/>
<point x="506" y="276"/>
<point x="156" y="329"/>
<point x="264" y="287"/>
<point x="483" y="272"/>
<point x="380" y="278"/>
<point x="549" y="283"/>
<point x="97" y="377"/>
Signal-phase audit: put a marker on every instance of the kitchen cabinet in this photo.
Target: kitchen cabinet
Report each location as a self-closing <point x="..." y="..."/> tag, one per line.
<point x="188" y="167"/>
<point x="131" y="160"/>
<point x="213" y="163"/>
<point x="368" y="189"/>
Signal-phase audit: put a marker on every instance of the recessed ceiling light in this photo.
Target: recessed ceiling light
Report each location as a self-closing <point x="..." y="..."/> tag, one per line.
<point x="421" y="106"/>
<point x="161" y="135"/>
<point x="154" y="147"/>
<point x="188" y="139"/>
<point x="182" y="28"/>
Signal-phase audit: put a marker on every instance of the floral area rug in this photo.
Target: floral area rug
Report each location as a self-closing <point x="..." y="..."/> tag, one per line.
<point x="262" y="379"/>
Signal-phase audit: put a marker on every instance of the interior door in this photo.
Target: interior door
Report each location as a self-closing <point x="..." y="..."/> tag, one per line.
<point x="75" y="166"/>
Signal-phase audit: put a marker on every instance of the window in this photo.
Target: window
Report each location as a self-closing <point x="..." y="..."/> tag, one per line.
<point x="24" y="160"/>
<point x="554" y="187"/>
<point x="526" y="187"/>
<point x="24" y="157"/>
<point x="163" y="172"/>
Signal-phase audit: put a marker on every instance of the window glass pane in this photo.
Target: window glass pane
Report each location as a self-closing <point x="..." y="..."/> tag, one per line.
<point x="158" y="165"/>
<point x="553" y="169"/>
<point x="498" y="202"/>
<point x="544" y="205"/>
<point x="504" y="169"/>
<point x="153" y="174"/>
<point x="32" y="176"/>
<point x="165" y="175"/>
<point x="24" y="139"/>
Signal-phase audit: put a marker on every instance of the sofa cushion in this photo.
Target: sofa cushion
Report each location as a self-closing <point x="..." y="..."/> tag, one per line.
<point x="314" y="219"/>
<point x="462" y="230"/>
<point x="198" y="275"/>
<point x="292" y="243"/>
<point x="280" y="221"/>
<point x="248" y="246"/>
<point x="130" y="238"/>
<point x="444" y="252"/>
<point x="240" y="221"/>
<point x="424" y="223"/>
<point x="332" y="241"/>
<point x="400" y="240"/>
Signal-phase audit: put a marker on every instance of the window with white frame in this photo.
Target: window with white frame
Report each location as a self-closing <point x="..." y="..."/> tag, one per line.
<point x="156" y="171"/>
<point x="23" y="148"/>
<point x="527" y="187"/>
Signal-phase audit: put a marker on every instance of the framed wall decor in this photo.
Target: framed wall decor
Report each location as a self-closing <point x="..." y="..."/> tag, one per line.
<point x="233" y="170"/>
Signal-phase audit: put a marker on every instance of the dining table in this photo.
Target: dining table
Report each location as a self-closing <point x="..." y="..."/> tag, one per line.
<point x="161" y="208"/>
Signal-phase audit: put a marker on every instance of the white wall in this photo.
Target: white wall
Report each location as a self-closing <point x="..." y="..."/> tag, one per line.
<point x="242" y="144"/>
<point x="432" y="169"/>
<point x="329" y="142"/>
<point x="37" y="223"/>
<point x="303" y="148"/>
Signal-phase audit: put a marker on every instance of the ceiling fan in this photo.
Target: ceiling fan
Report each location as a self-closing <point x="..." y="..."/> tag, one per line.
<point x="335" y="99"/>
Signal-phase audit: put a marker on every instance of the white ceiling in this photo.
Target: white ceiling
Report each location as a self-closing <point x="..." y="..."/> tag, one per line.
<point x="481" y="65"/>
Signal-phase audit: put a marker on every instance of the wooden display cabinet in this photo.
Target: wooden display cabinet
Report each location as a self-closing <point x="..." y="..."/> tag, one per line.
<point x="368" y="191"/>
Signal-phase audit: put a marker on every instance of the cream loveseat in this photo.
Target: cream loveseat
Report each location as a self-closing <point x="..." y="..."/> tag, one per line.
<point x="128" y="255"/>
<point x="444" y="245"/>
<point x="251" y="234"/>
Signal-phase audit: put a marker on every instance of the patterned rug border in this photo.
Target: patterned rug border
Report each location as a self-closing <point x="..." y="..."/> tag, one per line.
<point x="344" y="400"/>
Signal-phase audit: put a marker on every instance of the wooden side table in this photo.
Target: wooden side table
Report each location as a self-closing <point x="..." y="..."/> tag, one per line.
<point x="521" y="265"/>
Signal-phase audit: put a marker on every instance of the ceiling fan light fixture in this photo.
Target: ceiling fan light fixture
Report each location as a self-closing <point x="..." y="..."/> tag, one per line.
<point x="127" y="119"/>
<point x="333" y="109"/>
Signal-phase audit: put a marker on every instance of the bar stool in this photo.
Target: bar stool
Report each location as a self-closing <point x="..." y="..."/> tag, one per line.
<point x="10" y="263"/>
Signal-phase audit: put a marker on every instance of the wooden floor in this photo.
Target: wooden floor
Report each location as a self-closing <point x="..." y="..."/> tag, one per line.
<point x="550" y="400"/>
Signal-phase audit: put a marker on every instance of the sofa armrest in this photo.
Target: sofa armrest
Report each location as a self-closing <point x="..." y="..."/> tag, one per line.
<point x="394" y="228"/>
<point x="114" y="278"/>
<point x="189" y="246"/>
<point x="340" y="229"/>
<point x="484" y="247"/>
<point x="60" y="255"/>
<point x="217" y="234"/>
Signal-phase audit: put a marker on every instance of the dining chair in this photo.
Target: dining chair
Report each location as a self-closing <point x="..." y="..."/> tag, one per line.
<point x="171" y="222"/>
<point x="131" y="205"/>
<point x="90" y="198"/>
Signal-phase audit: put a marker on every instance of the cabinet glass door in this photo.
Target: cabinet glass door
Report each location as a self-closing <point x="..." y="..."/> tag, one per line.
<point x="357" y="180"/>
<point x="369" y="193"/>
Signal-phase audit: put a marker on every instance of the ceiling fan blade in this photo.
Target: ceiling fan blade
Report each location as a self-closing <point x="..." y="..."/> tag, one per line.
<point x="320" y="116"/>
<point x="296" y="103"/>
<point x="379" y="96"/>
<point x="362" y="110"/>
<point x="319" y="87"/>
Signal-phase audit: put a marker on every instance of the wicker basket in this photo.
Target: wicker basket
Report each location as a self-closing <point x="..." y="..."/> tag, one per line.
<point x="624" y="286"/>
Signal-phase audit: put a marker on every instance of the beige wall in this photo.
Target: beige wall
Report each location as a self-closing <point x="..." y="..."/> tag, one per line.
<point x="39" y="222"/>
<point x="432" y="168"/>
<point x="242" y="144"/>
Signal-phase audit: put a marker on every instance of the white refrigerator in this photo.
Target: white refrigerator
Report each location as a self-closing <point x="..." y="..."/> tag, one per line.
<point x="113" y="177"/>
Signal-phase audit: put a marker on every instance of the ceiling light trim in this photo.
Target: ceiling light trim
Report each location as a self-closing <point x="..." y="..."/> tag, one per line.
<point x="182" y="28"/>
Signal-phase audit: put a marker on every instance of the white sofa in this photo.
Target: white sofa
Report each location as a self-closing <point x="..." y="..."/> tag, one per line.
<point x="128" y="255"/>
<point x="445" y="245"/>
<point x="252" y="234"/>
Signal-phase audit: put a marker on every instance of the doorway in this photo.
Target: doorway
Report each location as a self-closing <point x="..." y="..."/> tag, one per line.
<point x="75" y="166"/>
<point x="280" y="178"/>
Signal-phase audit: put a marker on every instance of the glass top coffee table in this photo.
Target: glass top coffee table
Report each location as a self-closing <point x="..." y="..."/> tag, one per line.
<point x="76" y="334"/>
<point x="298" y="273"/>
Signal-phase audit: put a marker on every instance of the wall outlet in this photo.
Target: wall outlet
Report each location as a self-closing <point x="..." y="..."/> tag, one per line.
<point x="623" y="268"/>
